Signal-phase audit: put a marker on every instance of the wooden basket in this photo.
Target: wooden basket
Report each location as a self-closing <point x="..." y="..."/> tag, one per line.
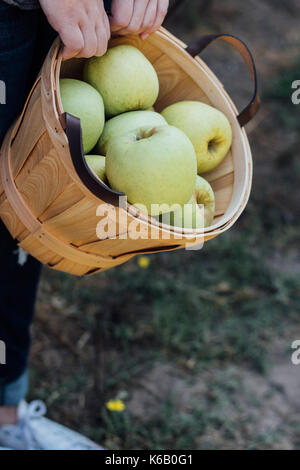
<point x="50" y="199"/>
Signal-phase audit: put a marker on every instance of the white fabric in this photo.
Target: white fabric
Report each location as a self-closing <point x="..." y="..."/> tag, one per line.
<point x="35" y="432"/>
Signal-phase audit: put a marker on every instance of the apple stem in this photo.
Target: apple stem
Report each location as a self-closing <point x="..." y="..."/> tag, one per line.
<point x="150" y="133"/>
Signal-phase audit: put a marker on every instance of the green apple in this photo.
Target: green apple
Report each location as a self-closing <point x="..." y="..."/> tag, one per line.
<point x="125" y="78"/>
<point x="97" y="164"/>
<point x="125" y="123"/>
<point x="153" y="167"/>
<point x="204" y="195"/>
<point x="208" y="129"/>
<point x="189" y="216"/>
<point x="82" y="100"/>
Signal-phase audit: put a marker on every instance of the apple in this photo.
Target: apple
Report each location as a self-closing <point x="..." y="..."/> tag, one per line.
<point x="125" y="123"/>
<point x="82" y="100"/>
<point x="208" y="129"/>
<point x="125" y="78"/>
<point x="204" y="195"/>
<point x="189" y="216"/>
<point x="153" y="167"/>
<point x="97" y="165"/>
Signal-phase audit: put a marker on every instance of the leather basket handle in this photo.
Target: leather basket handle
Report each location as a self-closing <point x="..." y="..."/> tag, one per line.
<point x="197" y="46"/>
<point x="72" y="127"/>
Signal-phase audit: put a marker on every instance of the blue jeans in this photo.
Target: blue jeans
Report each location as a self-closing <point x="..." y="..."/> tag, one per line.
<point x="25" y="38"/>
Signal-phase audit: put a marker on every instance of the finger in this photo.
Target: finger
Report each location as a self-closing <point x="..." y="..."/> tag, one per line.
<point x="162" y="10"/>
<point x="73" y="41"/>
<point x="90" y="41"/>
<point x="107" y="27"/>
<point x="102" y="42"/>
<point x="103" y="35"/>
<point x="150" y="15"/>
<point x="105" y="22"/>
<point x="121" y="14"/>
<point x="135" y="25"/>
<point x="149" y="18"/>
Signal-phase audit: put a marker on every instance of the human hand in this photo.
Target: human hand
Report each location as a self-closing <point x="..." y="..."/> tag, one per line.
<point x="83" y="26"/>
<point x="134" y="17"/>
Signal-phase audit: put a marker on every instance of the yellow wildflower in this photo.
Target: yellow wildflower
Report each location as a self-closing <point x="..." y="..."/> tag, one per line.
<point x="143" y="262"/>
<point x="115" y="405"/>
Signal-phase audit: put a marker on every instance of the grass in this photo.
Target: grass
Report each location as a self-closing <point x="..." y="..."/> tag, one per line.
<point x="196" y="305"/>
<point x="203" y="310"/>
